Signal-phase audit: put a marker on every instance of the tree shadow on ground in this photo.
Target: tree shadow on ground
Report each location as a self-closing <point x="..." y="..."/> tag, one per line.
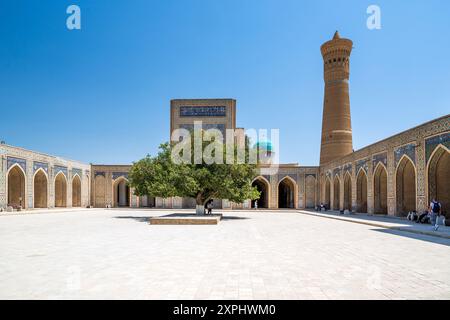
<point x="225" y="218"/>
<point x="138" y="219"/>
<point x="173" y="215"/>
<point x="416" y="236"/>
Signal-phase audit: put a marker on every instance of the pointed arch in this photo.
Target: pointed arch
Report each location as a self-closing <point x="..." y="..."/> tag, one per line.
<point x="438" y="177"/>
<point x="347" y="191"/>
<point x="16" y="179"/>
<point x="361" y="191"/>
<point x="76" y="191"/>
<point x="405" y="186"/>
<point x="263" y="186"/>
<point x="60" y="190"/>
<point x="380" y="188"/>
<point x="336" y="192"/>
<point x="40" y="189"/>
<point x="287" y="190"/>
<point x="121" y="192"/>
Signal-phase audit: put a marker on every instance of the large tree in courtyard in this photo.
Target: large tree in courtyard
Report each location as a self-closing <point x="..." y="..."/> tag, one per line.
<point x="161" y="176"/>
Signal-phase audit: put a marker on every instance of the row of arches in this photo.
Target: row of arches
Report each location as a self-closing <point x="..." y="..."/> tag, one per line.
<point x="121" y="193"/>
<point x="16" y="189"/>
<point x="438" y="186"/>
<point x="286" y="191"/>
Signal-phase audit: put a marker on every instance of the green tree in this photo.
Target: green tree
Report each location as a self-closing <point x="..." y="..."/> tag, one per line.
<point x="160" y="176"/>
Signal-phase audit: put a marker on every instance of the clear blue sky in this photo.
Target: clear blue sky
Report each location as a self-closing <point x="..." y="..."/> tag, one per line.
<point x="102" y="94"/>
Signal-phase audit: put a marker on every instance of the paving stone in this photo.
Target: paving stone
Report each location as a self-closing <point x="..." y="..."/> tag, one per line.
<point x="94" y="254"/>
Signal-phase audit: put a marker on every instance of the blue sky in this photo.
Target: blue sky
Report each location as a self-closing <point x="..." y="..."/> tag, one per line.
<point x="101" y="94"/>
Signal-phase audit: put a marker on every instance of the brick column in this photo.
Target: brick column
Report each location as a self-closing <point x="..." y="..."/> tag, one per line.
<point x="109" y="192"/>
<point x="421" y="204"/>
<point x="51" y="185"/>
<point x="301" y="191"/>
<point x="273" y="192"/>
<point x="332" y="193"/>
<point x="370" y="191"/>
<point x="354" y="195"/>
<point x="3" y="165"/>
<point x="28" y="202"/>
<point x="391" y="189"/>
<point x="69" y="187"/>
<point x="341" y="190"/>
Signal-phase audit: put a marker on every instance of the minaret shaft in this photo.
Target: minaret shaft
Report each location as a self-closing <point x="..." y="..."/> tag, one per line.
<point x="336" y="121"/>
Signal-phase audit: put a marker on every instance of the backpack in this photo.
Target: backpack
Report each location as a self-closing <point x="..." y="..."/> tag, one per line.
<point x="436" y="207"/>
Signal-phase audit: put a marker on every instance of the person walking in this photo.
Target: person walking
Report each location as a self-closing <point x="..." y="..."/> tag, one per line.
<point x="209" y="206"/>
<point x="435" y="208"/>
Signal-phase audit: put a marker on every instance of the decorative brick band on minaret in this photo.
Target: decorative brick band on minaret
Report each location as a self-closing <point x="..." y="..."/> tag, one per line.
<point x="336" y="121"/>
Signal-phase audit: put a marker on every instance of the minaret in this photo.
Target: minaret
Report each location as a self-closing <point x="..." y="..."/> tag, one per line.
<point x="336" y="120"/>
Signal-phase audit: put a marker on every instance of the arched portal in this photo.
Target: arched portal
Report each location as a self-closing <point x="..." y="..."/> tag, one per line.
<point x="76" y="191"/>
<point x="405" y="186"/>
<point x="380" y="189"/>
<point x="361" y="192"/>
<point x="286" y="193"/>
<point x="100" y="191"/>
<point x="40" y="187"/>
<point x="439" y="178"/>
<point x="263" y="187"/>
<point x="121" y="193"/>
<point x="327" y="193"/>
<point x="347" y="192"/>
<point x="60" y="190"/>
<point x="336" y="193"/>
<point x="16" y="187"/>
<point x="310" y="192"/>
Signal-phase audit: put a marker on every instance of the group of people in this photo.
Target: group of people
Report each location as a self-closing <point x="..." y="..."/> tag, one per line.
<point x="432" y="215"/>
<point x="322" y="207"/>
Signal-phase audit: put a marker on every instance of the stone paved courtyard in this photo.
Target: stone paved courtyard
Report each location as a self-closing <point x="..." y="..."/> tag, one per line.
<point x="116" y="254"/>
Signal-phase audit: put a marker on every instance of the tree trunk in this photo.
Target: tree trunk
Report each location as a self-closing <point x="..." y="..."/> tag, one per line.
<point x="200" y="209"/>
<point x="200" y="206"/>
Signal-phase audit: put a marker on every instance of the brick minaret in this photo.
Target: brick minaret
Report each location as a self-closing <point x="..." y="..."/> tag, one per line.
<point x="336" y="121"/>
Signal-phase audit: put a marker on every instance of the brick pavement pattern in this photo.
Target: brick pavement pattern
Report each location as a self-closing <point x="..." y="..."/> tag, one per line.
<point x="116" y="254"/>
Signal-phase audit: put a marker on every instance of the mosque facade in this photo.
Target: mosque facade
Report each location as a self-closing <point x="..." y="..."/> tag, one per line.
<point x="399" y="174"/>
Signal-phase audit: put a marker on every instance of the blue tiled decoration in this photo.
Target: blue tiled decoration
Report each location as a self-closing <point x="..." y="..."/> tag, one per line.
<point x="77" y="171"/>
<point x="203" y="111"/>
<point x="409" y="150"/>
<point x="116" y="175"/>
<point x="21" y="162"/>
<point x="310" y="175"/>
<point x="40" y="165"/>
<point x="348" y="168"/>
<point x="337" y="171"/>
<point x="99" y="173"/>
<point x="267" y="177"/>
<point x="57" y="169"/>
<point x="382" y="157"/>
<point x="282" y="176"/>
<point x="364" y="163"/>
<point x="433" y="142"/>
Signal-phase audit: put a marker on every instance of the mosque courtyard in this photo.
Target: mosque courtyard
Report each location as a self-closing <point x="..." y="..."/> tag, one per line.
<point x="117" y="254"/>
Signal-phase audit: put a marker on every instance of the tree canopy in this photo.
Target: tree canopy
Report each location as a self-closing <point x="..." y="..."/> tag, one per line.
<point x="160" y="176"/>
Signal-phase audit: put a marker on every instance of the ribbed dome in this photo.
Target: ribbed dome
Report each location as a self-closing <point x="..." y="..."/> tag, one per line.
<point x="263" y="145"/>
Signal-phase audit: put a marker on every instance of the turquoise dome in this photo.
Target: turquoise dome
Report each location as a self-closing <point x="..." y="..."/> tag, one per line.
<point x="263" y="145"/>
